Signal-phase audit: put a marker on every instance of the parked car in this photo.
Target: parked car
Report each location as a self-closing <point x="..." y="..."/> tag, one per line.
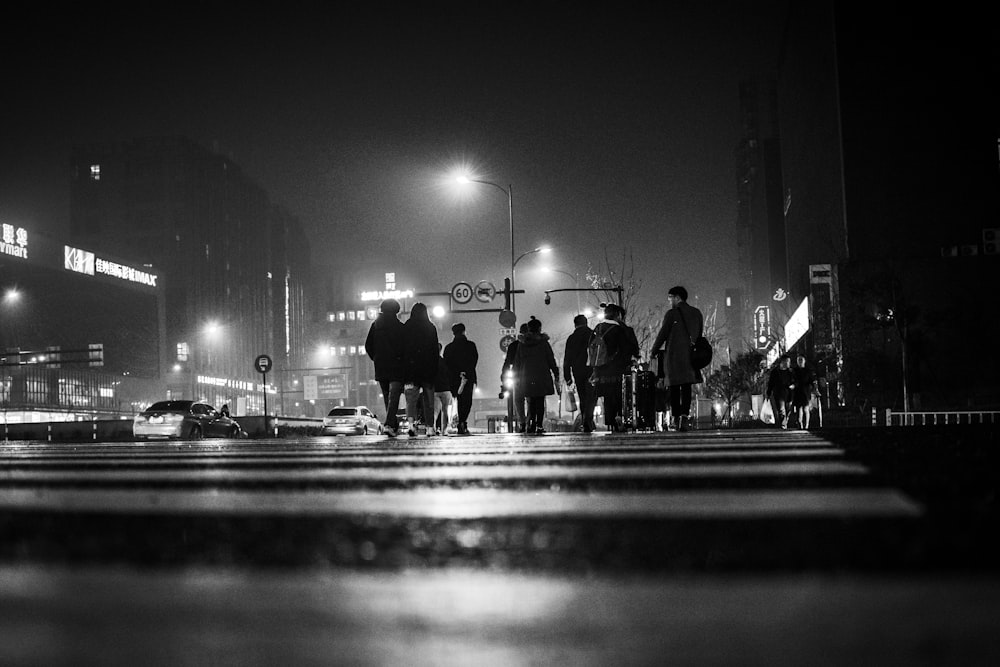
<point x="351" y="420"/>
<point x="185" y="420"/>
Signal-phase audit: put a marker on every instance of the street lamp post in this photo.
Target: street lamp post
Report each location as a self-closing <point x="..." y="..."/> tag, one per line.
<point x="509" y="191"/>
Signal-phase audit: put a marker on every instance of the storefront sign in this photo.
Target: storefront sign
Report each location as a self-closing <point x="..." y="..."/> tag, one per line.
<point x="86" y="262"/>
<point x="14" y="241"/>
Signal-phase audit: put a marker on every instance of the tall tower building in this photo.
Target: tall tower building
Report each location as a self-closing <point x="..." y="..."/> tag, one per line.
<point x="759" y="220"/>
<point x="236" y="268"/>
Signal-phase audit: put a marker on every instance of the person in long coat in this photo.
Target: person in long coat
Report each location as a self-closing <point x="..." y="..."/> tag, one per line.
<point x="576" y="372"/>
<point x="780" y="385"/>
<point x="462" y="356"/>
<point x="607" y="377"/>
<point x="385" y="347"/>
<point x="420" y="355"/>
<point x="682" y="325"/>
<point x="516" y="398"/>
<point x="537" y="372"/>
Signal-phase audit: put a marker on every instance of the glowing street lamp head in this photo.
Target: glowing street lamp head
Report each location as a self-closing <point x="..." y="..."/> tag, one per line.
<point x="213" y="330"/>
<point x="11" y="295"/>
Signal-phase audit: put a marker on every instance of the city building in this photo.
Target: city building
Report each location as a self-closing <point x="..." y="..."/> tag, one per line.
<point x="888" y="129"/>
<point x="239" y="266"/>
<point x="760" y="225"/>
<point x="82" y="331"/>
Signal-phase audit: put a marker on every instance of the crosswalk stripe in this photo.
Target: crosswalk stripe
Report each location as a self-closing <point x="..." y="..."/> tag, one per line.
<point x="476" y="503"/>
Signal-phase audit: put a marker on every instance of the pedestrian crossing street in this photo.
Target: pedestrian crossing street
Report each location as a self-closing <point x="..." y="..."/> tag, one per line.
<point x="695" y="499"/>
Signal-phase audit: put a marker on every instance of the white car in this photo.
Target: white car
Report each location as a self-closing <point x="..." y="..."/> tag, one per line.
<point x="351" y="420"/>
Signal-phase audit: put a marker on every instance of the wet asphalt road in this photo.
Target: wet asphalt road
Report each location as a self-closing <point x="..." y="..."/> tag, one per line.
<point x="730" y="547"/>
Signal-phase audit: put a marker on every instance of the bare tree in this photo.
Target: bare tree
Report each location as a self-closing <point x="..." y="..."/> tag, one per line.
<point x="643" y="320"/>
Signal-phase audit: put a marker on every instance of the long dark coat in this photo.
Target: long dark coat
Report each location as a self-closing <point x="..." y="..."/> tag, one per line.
<point x="575" y="368"/>
<point x="385" y="347"/>
<point x="420" y="351"/>
<point x="779" y="384"/>
<point x="535" y="365"/>
<point x="461" y="355"/>
<point x="677" y="340"/>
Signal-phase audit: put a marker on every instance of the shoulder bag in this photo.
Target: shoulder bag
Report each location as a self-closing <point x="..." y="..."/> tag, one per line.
<point x="701" y="350"/>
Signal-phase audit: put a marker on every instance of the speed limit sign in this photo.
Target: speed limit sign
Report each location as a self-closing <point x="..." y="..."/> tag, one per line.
<point x="462" y="292"/>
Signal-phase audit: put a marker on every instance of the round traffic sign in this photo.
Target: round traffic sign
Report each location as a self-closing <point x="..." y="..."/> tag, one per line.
<point x="505" y="342"/>
<point x="485" y="291"/>
<point x="462" y="292"/>
<point x="507" y="318"/>
<point x="262" y="363"/>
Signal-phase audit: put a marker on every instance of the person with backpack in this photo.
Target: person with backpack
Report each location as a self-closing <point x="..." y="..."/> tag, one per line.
<point x="462" y="356"/>
<point x="682" y="325"/>
<point x="420" y="357"/>
<point x="576" y="372"/>
<point x="537" y="373"/>
<point x="609" y="354"/>
<point x="384" y="346"/>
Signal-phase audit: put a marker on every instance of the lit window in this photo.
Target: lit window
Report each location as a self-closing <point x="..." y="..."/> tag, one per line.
<point x="350" y="315"/>
<point x="361" y="315"/>
<point x="182" y="351"/>
<point x="331" y="317"/>
<point x="341" y="316"/>
<point x="343" y="350"/>
<point x="354" y="349"/>
<point x="95" y="172"/>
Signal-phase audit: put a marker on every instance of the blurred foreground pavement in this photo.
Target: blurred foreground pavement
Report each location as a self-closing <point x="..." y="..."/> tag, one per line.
<point x="868" y="546"/>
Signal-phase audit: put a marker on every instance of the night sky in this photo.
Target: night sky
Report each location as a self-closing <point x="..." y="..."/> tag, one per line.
<point x="616" y="127"/>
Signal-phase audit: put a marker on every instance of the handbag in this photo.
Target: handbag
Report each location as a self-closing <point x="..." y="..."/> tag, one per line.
<point x="569" y="398"/>
<point x="701" y="349"/>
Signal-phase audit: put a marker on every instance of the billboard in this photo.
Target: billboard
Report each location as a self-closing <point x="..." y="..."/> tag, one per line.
<point x="315" y="387"/>
<point x="797" y="325"/>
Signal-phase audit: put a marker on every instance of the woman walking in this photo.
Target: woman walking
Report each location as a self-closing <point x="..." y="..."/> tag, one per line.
<point x="537" y="372"/>
<point x="804" y="390"/>
<point x="420" y="356"/>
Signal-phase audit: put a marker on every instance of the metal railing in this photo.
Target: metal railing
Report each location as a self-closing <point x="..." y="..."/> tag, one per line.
<point x="942" y="417"/>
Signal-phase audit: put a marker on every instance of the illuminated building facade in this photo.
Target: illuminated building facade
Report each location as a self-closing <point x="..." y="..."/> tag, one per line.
<point x="338" y="370"/>
<point x="82" y="332"/>
<point x="239" y="266"/>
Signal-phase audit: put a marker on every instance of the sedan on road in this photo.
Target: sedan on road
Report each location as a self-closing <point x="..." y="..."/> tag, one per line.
<point x="351" y="420"/>
<point x="185" y="420"/>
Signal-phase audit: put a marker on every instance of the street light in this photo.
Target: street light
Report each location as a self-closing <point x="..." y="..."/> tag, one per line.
<point x="509" y="191"/>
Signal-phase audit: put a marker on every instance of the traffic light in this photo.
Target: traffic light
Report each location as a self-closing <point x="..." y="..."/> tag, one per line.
<point x="990" y="241"/>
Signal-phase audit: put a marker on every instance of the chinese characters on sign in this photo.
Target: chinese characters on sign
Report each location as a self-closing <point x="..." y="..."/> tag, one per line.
<point x="14" y="241"/>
